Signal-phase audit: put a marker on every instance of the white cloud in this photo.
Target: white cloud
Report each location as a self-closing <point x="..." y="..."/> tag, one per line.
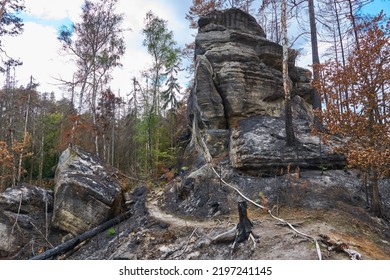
<point x="136" y="58"/>
<point x="54" y="9"/>
<point x="134" y="17"/>
<point x="39" y="48"/>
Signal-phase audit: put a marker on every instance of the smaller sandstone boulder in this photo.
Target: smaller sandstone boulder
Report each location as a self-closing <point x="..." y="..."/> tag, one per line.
<point x="24" y="211"/>
<point x="86" y="192"/>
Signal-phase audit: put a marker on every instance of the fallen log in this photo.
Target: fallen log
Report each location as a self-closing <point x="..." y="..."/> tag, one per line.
<point x="225" y="237"/>
<point x="70" y="244"/>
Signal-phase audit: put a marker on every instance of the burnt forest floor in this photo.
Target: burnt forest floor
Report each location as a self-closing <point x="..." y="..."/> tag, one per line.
<point x="152" y="233"/>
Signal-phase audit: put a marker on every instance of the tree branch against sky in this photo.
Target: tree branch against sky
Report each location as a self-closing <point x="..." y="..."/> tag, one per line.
<point x="42" y="19"/>
<point x="2" y="7"/>
<point x="10" y="25"/>
<point x="97" y="45"/>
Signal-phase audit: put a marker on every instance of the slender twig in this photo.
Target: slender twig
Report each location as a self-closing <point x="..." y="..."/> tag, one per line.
<point x="17" y="215"/>
<point x="48" y="242"/>
<point x="188" y="241"/>
<point x="253" y="240"/>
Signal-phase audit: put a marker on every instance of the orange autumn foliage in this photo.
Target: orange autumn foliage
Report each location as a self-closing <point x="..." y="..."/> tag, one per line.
<point x="357" y="104"/>
<point x="8" y="157"/>
<point x="358" y="100"/>
<point x="77" y="130"/>
<point x="6" y="164"/>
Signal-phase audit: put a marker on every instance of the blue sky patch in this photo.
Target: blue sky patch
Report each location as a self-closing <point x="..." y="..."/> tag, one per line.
<point x="47" y="22"/>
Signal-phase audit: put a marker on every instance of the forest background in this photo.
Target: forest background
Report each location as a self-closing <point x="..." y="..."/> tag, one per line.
<point x="114" y="79"/>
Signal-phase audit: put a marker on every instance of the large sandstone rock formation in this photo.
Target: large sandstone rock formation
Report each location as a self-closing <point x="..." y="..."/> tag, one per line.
<point x="86" y="192"/>
<point x="238" y="71"/>
<point x="237" y="110"/>
<point x="238" y="97"/>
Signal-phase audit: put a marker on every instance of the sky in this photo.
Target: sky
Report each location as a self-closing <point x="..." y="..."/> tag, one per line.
<point x="39" y="49"/>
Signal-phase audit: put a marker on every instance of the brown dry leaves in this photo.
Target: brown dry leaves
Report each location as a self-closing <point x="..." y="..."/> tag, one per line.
<point x="357" y="100"/>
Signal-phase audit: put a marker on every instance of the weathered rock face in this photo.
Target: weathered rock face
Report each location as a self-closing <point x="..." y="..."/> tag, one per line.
<point x="258" y="144"/>
<point x="238" y="71"/>
<point x="238" y="97"/>
<point x="237" y="110"/>
<point x="206" y="97"/>
<point x="24" y="217"/>
<point x="86" y="192"/>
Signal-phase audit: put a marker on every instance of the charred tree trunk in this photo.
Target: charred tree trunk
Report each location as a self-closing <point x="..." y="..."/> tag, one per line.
<point x="316" y="102"/>
<point x="376" y="205"/>
<point x="70" y="244"/>
<point x="241" y="232"/>
<point x="244" y="227"/>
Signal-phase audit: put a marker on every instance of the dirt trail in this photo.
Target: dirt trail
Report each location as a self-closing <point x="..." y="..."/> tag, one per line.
<point x="176" y="221"/>
<point x="277" y="242"/>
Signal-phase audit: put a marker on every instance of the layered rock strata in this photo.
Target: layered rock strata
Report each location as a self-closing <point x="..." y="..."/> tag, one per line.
<point x="86" y="193"/>
<point x="238" y="97"/>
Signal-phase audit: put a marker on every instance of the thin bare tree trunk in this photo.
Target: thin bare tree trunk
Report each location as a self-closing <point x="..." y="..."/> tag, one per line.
<point x="19" y="174"/>
<point x="339" y="33"/>
<point x="290" y="136"/>
<point x="376" y="205"/>
<point x="342" y="54"/>
<point x="352" y="17"/>
<point x="315" y="59"/>
<point x="41" y="160"/>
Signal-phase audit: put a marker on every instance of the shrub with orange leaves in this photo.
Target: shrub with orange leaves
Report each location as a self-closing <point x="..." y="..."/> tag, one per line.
<point x="6" y="165"/>
<point x="357" y="107"/>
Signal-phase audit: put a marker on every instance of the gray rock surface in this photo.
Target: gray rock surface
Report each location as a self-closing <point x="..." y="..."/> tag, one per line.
<point x="207" y="101"/>
<point x="24" y="218"/>
<point x="238" y="98"/>
<point x="86" y="192"/>
<point x="258" y="144"/>
<point x="238" y="104"/>
<point x="239" y="70"/>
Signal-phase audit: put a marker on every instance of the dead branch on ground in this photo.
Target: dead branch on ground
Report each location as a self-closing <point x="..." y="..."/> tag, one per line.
<point x="339" y="246"/>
